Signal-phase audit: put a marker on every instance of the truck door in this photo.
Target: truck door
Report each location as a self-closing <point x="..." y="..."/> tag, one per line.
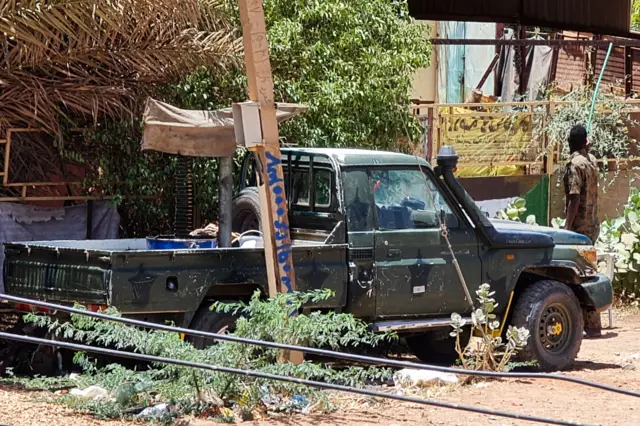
<point x="415" y="273"/>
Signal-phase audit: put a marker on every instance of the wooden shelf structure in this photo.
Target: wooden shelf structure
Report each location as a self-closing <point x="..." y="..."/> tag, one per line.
<point x="24" y="188"/>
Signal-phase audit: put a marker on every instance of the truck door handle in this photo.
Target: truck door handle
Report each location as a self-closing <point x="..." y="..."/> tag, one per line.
<point x="393" y="253"/>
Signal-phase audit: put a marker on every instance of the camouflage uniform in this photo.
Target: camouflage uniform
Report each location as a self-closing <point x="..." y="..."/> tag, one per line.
<point x="581" y="178"/>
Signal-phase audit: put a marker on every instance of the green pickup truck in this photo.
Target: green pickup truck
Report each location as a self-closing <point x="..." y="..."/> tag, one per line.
<point x="365" y="224"/>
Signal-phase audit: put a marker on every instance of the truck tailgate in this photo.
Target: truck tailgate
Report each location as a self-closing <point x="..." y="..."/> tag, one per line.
<point x="66" y="278"/>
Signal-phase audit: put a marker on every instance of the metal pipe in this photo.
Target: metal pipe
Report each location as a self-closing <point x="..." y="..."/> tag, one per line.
<point x="595" y="92"/>
<point x="314" y="351"/>
<point x="269" y="376"/>
<point x="528" y="42"/>
<point x="225" y="197"/>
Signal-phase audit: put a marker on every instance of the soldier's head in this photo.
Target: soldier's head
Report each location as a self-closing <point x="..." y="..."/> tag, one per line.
<point x="578" y="138"/>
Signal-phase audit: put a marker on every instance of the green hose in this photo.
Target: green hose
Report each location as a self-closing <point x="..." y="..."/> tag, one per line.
<point x="595" y="92"/>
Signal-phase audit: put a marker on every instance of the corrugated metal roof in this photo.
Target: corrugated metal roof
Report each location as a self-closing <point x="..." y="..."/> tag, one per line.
<point x="611" y="17"/>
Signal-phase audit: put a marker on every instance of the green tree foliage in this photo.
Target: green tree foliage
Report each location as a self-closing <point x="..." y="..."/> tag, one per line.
<point x="351" y="62"/>
<point x="609" y="134"/>
<point x="635" y="15"/>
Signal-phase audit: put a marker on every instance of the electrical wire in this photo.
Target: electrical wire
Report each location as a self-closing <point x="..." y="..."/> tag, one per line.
<point x="269" y="376"/>
<point x="316" y="351"/>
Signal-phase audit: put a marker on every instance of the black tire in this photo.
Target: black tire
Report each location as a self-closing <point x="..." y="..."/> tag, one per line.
<point x="210" y="322"/>
<point x="246" y="211"/>
<point x="437" y="347"/>
<point x="540" y="308"/>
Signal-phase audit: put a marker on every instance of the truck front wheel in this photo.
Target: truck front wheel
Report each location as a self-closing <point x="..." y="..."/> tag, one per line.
<point x="211" y="322"/>
<point x="552" y="314"/>
<point x="437" y="346"/>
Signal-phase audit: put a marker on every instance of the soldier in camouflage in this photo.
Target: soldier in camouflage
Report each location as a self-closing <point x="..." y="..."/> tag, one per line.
<point x="581" y="191"/>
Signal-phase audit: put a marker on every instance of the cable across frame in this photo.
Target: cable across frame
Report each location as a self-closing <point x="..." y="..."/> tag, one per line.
<point x="316" y="351"/>
<point x="269" y="376"/>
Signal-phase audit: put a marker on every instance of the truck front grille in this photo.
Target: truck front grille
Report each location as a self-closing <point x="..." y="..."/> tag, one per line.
<point x="361" y="254"/>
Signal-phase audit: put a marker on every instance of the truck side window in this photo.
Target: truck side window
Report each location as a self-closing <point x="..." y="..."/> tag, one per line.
<point x="358" y="201"/>
<point x="406" y="199"/>
<point x="302" y="187"/>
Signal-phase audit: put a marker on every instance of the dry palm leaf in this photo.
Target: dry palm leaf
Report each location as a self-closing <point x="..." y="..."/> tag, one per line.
<point x="98" y="57"/>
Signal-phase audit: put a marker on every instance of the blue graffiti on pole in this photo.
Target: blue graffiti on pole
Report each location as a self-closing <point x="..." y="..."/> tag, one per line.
<point x="281" y="230"/>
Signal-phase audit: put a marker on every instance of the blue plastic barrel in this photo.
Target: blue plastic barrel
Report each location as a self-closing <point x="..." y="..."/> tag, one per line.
<point x="172" y="243"/>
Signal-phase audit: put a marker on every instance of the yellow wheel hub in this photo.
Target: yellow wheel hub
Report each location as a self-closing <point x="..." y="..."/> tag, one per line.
<point x="556" y="329"/>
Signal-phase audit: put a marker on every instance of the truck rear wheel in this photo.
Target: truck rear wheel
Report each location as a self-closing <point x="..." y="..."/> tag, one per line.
<point x="211" y="322"/>
<point x="246" y="211"/>
<point x="552" y="314"/>
<point x="437" y="346"/>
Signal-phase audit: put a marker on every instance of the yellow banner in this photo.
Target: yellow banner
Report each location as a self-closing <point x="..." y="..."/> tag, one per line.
<point x="484" y="141"/>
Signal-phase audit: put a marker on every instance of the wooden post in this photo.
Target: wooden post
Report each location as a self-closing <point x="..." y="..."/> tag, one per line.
<point x="429" y="150"/>
<point x="225" y="198"/>
<point x="273" y="200"/>
<point x="628" y="71"/>
<point x="7" y="156"/>
<point x="90" y="204"/>
<point x="523" y="65"/>
<point x="593" y="64"/>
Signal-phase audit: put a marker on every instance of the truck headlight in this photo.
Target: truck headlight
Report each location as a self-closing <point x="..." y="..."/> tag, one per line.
<point x="589" y="254"/>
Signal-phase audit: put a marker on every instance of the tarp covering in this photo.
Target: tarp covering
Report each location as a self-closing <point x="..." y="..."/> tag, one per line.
<point x="508" y="77"/>
<point x="197" y="133"/>
<point x="539" y="60"/>
<point x="20" y="222"/>
<point x="451" y="68"/>
<point x="478" y="58"/>
<point x="460" y="68"/>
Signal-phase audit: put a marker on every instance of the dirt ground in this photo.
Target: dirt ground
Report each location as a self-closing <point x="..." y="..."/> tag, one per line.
<point x="613" y="359"/>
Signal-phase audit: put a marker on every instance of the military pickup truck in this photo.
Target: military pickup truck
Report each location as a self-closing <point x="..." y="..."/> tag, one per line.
<point x="365" y="224"/>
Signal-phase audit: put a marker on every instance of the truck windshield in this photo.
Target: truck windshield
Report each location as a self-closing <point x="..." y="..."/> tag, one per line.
<point x="406" y="199"/>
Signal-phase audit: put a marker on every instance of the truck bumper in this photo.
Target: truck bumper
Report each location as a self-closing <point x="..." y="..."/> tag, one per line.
<point x="600" y="292"/>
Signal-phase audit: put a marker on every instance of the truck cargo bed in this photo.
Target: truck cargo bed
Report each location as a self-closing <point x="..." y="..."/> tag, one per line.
<point x="125" y="274"/>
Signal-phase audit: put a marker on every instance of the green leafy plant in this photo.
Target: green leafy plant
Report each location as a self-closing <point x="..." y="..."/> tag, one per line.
<point x="199" y="391"/>
<point x="609" y="133"/>
<point x="490" y="353"/>
<point x="621" y="237"/>
<point x="558" y="222"/>
<point x="515" y="210"/>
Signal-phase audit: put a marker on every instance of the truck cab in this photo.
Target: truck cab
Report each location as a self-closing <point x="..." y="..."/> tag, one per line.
<point x="389" y="207"/>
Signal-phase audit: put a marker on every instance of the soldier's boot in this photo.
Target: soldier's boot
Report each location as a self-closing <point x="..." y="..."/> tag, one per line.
<point x="593" y="325"/>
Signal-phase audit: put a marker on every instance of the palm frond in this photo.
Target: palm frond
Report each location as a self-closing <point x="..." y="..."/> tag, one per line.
<point x="92" y="57"/>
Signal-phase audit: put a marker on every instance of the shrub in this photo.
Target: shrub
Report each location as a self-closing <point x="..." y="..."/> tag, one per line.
<point x="490" y="352"/>
<point x="190" y="390"/>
